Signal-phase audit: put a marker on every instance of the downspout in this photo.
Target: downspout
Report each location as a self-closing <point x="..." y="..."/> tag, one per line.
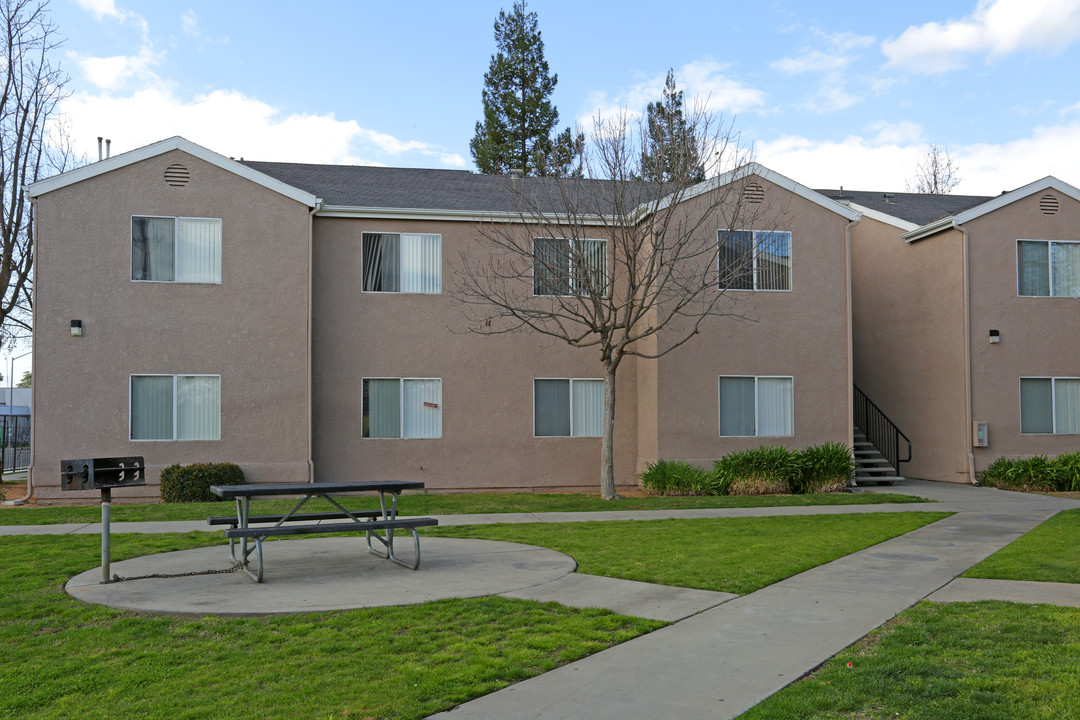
<point x="967" y="351"/>
<point x="311" y="235"/>
<point x="33" y="373"/>
<point x="850" y="338"/>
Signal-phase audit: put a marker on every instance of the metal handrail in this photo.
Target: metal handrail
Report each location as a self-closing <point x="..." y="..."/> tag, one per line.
<point x="879" y="429"/>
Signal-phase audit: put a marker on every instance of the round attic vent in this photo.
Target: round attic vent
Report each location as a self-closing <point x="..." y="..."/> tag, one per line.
<point x="753" y="193"/>
<point x="177" y="176"/>
<point x="1048" y="204"/>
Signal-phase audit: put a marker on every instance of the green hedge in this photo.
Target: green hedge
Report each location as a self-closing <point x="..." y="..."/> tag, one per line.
<point x="191" y="483"/>
<point x="759" y="471"/>
<point x="1061" y="473"/>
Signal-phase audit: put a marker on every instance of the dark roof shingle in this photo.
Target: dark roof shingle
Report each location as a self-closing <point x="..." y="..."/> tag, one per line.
<point x="918" y="208"/>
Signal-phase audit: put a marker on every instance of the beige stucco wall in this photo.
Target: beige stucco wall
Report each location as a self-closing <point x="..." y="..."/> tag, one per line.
<point x="908" y="341"/>
<point x="251" y="329"/>
<point x="802" y="333"/>
<point x="487" y="438"/>
<point x="1040" y="337"/>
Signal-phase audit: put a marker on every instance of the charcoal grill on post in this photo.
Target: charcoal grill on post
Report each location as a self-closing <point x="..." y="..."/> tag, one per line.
<point x="103" y="474"/>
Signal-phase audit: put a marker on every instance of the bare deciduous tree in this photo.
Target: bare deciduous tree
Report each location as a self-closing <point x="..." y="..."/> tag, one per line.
<point x="31" y="147"/>
<point x="613" y="263"/>
<point x="936" y="174"/>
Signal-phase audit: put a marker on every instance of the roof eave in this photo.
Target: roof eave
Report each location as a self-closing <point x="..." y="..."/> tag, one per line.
<point x="945" y="223"/>
<point x="390" y="213"/>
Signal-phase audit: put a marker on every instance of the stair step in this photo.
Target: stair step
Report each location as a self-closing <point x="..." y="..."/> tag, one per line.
<point x="872" y="461"/>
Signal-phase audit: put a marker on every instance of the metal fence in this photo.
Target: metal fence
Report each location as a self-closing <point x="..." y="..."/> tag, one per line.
<point x="15" y="442"/>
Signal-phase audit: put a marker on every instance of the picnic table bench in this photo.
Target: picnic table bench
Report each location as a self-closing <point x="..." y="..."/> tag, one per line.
<point x="385" y="520"/>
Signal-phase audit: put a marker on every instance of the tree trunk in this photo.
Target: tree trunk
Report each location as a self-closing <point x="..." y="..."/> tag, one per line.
<point x="607" y="446"/>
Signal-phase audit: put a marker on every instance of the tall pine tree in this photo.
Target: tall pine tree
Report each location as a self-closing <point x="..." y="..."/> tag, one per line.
<point x="670" y="152"/>
<point x="519" y="119"/>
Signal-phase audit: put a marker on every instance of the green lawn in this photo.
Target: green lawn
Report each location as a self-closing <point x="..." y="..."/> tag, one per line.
<point x="736" y="555"/>
<point x="958" y="661"/>
<point x="440" y="505"/>
<point x="65" y="659"/>
<point x="1049" y="553"/>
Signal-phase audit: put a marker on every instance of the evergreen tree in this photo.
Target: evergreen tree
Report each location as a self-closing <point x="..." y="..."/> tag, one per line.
<point x="669" y="153"/>
<point x="519" y="119"/>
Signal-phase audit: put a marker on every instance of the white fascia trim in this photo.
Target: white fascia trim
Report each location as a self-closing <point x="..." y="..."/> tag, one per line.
<point x="1047" y="183"/>
<point x="764" y="173"/>
<point x="159" y="148"/>
<point x="349" y="211"/>
<point x="885" y="218"/>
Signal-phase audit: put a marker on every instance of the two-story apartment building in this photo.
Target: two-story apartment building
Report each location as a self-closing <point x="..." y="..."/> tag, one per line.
<point x="301" y="321"/>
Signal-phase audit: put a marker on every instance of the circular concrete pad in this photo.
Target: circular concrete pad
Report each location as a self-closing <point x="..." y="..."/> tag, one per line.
<point x="334" y="573"/>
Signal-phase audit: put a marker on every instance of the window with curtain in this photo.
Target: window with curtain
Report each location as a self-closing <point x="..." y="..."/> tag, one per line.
<point x="175" y="249"/>
<point x="175" y="407"/>
<point x="1047" y="268"/>
<point x="565" y="407"/>
<point x="754" y="260"/>
<point x="401" y="263"/>
<point x="564" y="267"/>
<point x="1050" y="406"/>
<point x="753" y="406"/>
<point x="402" y="408"/>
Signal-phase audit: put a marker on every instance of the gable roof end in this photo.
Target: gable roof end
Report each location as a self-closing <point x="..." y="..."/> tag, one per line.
<point x="160" y="148"/>
<point x="1047" y="183"/>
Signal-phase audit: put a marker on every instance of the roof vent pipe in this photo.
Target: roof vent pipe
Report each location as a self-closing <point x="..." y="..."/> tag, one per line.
<point x="99" y="139"/>
<point x="108" y="151"/>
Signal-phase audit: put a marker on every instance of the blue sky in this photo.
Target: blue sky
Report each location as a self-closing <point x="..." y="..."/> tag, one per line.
<point x="827" y="93"/>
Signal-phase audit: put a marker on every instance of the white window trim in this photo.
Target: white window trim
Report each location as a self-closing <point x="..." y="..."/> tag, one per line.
<point x="572" y="241"/>
<point x="754" y="265"/>
<point x="1049" y="267"/>
<point x="174" y="403"/>
<point x="757" y="413"/>
<point x="1053" y="401"/>
<point x="363" y="269"/>
<point x="176" y="247"/>
<point x="401" y="407"/>
<point x="572" y="381"/>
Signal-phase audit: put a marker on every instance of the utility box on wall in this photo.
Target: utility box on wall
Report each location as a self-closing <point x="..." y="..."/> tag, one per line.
<point x="979" y="436"/>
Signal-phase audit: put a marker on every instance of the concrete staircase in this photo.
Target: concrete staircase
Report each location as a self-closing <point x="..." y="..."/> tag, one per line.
<point x="871" y="467"/>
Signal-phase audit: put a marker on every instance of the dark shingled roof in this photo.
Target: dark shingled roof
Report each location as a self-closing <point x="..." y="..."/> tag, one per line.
<point x="420" y="188"/>
<point x="917" y="208"/>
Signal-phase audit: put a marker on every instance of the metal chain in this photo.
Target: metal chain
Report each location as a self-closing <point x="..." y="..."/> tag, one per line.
<point x="222" y="571"/>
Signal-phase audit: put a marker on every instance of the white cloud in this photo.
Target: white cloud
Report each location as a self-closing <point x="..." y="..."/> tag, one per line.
<point x="100" y="8"/>
<point x="112" y="73"/>
<point x="702" y="82"/>
<point x="235" y="125"/>
<point x="189" y="21"/>
<point x="886" y="160"/>
<point x="830" y="57"/>
<point x="995" y="28"/>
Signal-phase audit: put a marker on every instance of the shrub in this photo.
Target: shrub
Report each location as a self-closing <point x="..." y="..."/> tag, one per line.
<point x="766" y="470"/>
<point x="675" y="477"/>
<point x="191" y="483"/>
<point x="1066" y="469"/>
<point x="823" y="468"/>
<point x="1034" y="473"/>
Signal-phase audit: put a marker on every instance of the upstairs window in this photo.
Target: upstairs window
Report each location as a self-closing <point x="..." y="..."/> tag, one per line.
<point x="175" y="407"/>
<point x="563" y="267"/>
<point x="1050" y="406"/>
<point x="175" y="249"/>
<point x="402" y="408"/>
<point x="754" y="260"/>
<point x="402" y="263"/>
<point x="1045" y="268"/>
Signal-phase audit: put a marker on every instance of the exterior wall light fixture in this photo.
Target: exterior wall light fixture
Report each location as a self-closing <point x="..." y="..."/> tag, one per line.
<point x="76" y="328"/>
<point x="995" y="337"/>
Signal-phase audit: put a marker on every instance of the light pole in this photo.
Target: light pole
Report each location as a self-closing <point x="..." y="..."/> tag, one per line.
<point x="11" y="381"/>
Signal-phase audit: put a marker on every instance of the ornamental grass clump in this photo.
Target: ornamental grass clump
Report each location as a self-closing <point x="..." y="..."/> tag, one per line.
<point x="191" y="483"/>
<point x="675" y="477"/>
<point x="824" y="468"/>
<point x="1035" y="474"/>
<point x="1067" y="471"/>
<point x="766" y="470"/>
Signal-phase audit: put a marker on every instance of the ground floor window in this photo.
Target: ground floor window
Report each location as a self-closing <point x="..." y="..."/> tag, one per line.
<point x="752" y="406"/>
<point x="565" y="407"/>
<point x="175" y="407"/>
<point x="1050" y="406"/>
<point x="402" y="407"/>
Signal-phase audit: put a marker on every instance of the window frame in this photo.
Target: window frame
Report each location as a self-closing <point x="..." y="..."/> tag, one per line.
<point x="1053" y="402"/>
<point x="401" y="408"/>
<point x="175" y="407"/>
<point x="1049" y="266"/>
<point x="400" y="273"/>
<point x="572" y="273"/>
<point x="176" y="249"/>
<point x="570" y="406"/>
<point x="754" y="267"/>
<point x="757" y="411"/>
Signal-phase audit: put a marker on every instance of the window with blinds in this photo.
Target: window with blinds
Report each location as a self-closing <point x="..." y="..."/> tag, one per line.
<point x="566" y="407"/>
<point x="754" y="260"/>
<point x="753" y="406"/>
<point x="175" y="407"/>
<point x="402" y="408"/>
<point x="563" y="267"/>
<point x="175" y="249"/>
<point x="401" y="263"/>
